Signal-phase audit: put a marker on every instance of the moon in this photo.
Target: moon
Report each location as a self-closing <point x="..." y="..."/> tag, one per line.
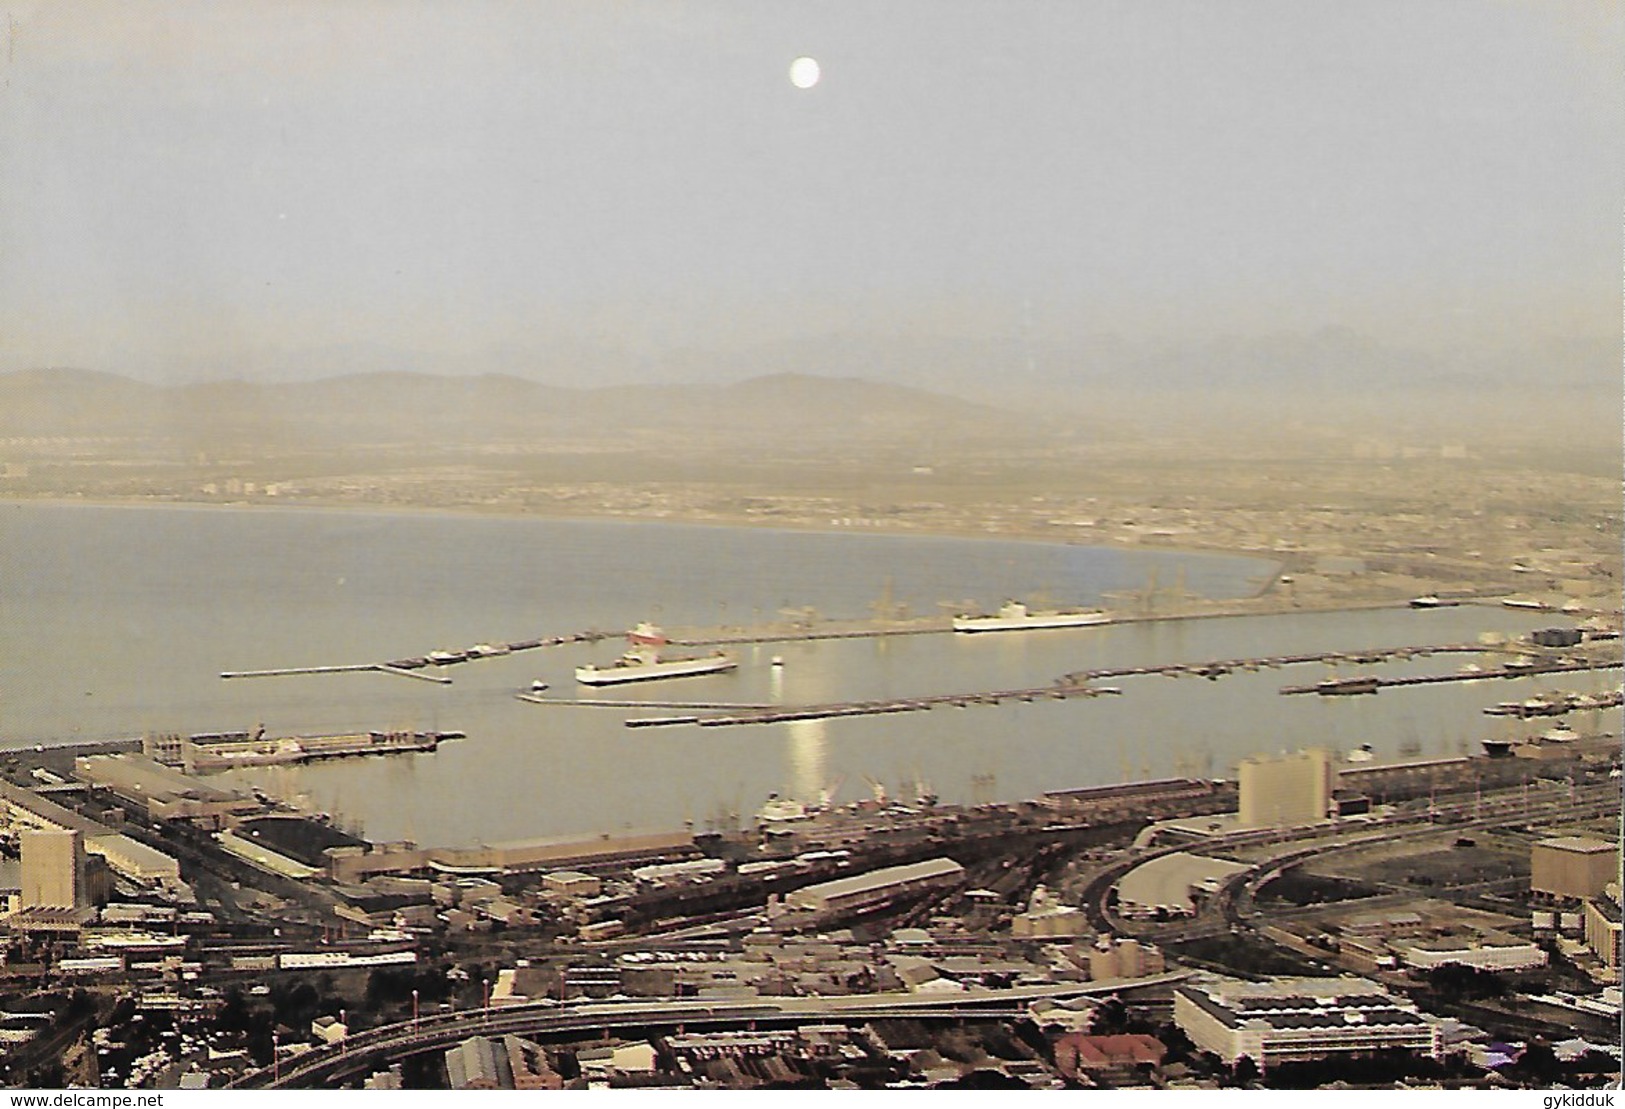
<point x="804" y="72"/>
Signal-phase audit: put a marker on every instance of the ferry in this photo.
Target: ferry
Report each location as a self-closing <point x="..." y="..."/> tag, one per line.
<point x="641" y="665"/>
<point x="1015" y="616"/>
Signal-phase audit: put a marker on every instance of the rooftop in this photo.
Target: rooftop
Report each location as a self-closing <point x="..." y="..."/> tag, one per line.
<point x="1583" y="844"/>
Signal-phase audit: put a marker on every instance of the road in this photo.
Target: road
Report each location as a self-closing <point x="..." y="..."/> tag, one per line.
<point x="374" y="1048"/>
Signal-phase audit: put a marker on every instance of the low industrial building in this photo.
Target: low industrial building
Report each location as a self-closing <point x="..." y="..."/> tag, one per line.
<point x="1292" y="1019"/>
<point x="1421" y="934"/>
<point x="162" y="792"/>
<point x="1047" y="918"/>
<point x="509" y="1063"/>
<point x="356" y="864"/>
<point x="863" y="891"/>
<point x="572" y="883"/>
<point x="1602" y="928"/>
<point x="127" y="857"/>
<point x="1113" y="957"/>
<point x="1492" y="952"/>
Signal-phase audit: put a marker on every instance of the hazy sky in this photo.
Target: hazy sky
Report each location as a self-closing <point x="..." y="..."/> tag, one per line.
<point x="190" y="189"/>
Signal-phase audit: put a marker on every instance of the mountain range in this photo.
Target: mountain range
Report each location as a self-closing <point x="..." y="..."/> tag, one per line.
<point x="392" y="408"/>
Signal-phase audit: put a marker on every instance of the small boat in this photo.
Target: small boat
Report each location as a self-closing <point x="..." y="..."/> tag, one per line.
<point x="1362" y="753"/>
<point x="1430" y="601"/>
<point x="538" y="686"/>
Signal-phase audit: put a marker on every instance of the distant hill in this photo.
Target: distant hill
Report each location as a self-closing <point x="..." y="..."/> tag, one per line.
<point x="393" y="408"/>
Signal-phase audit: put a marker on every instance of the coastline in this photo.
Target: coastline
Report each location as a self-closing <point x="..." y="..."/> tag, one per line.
<point x="1278" y="559"/>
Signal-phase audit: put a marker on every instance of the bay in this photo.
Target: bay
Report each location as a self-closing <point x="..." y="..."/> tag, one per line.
<point x="117" y="620"/>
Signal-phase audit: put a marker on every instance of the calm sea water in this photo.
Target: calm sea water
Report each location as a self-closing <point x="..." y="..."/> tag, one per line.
<point x="116" y="621"/>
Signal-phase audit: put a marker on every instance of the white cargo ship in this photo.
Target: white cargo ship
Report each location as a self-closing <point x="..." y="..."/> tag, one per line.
<point x="642" y="665"/>
<point x="1015" y="616"/>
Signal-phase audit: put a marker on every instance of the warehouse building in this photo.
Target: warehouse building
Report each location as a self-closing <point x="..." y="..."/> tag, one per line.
<point x="862" y="891"/>
<point x="161" y="791"/>
<point x="509" y="1063"/>
<point x="128" y="857"/>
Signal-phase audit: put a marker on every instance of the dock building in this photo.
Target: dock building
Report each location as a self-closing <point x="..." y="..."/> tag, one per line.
<point x="162" y="792"/>
<point x="356" y="864"/>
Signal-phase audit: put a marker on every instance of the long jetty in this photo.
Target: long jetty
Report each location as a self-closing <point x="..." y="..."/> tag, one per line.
<point x="777" y="714"/>
<point x="408" y="667"/>
<point x="1371" y="684"/>
<point x="608" y="703"/>
<point x="357" y="668"/>
<point x="1218" y="668"/>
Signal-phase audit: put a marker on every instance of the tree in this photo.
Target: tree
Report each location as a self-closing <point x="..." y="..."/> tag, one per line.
<point x="1244" y="1071"/>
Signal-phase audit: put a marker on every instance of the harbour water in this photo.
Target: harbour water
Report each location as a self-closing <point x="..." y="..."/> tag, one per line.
<point x="115" y="621"/>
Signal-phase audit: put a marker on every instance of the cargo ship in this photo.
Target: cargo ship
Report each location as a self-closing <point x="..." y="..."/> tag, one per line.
<point x="1015" y="616"/>
<point x="643" y="664"/>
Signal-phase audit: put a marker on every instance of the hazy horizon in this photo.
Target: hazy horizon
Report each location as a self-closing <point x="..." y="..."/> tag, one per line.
<point x="636" y="191"/>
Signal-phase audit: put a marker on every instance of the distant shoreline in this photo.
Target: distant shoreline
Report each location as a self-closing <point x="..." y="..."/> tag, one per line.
<point x="497" y="513"/>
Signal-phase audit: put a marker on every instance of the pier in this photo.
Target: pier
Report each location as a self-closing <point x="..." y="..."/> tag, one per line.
<point x="356" y="668"/>
<point x="606" y="703"/>
<point x="1373" y="684"/>
<point x="409" y="667"/>
<point x="1218" y="668"/>
<point x="778" y="714"/>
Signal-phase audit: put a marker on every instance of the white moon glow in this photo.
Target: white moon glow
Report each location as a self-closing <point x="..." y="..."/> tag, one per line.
<point x="804" y="73"/>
